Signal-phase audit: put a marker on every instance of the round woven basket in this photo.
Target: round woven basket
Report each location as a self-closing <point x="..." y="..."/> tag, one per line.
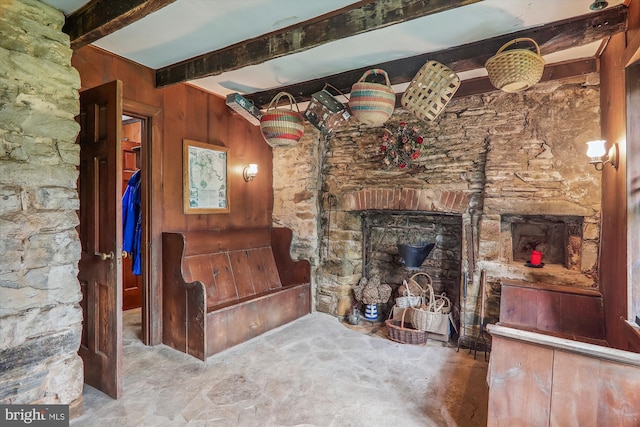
<point x="372" y="103"/>
<point x="515" y="70"/>
<point x="282" y="127"/>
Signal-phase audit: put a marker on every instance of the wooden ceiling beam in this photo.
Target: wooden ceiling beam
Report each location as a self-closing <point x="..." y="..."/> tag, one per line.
<point x="354" y="19"/>
<point x="99" y="18"/>
<point x="557" y="71"/>
<point x="552" y="37"/>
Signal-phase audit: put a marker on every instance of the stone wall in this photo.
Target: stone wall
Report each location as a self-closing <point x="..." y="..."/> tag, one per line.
<point x="296" y="177"/>
<point x="499" y="153"/>
<point x="40" y="317"/>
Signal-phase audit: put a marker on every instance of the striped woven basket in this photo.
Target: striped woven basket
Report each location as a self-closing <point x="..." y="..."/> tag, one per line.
<point x="282" y="127"/>
<point x="372" y="103"/>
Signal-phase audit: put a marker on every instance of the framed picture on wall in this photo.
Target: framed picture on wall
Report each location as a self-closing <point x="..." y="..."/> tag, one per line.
<point x="204" y="178"/>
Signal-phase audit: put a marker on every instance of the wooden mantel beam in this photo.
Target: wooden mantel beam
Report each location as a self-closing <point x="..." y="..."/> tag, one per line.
<point x="552" y="37"/>
<point x="102" y="17"/>
<point x="354" y="19"/>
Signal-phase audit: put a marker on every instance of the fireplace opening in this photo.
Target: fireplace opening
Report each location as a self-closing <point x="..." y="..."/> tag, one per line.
<point x="384" y="230"/>
<point x="558" y="237"/>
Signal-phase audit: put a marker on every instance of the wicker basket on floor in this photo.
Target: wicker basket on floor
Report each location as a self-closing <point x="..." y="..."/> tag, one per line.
<point x="443" y="303"/>
<point x="408" y="299"/>
<point x="428" y="316"/>
<point x="403" y="333"/>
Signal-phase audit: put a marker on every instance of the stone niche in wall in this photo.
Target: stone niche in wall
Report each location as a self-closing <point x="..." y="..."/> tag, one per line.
<point x="568" y="242"/>
<point x="558" y="237"/>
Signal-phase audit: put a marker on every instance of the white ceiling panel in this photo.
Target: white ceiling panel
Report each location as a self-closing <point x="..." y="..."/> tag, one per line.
<point x="187" y="28"/>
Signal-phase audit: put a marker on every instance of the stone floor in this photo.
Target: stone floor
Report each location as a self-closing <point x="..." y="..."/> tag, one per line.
<point x="315" y="371"/>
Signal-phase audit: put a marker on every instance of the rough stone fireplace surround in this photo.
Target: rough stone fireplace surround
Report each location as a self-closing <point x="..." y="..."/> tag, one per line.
<point x="498" y="162"/>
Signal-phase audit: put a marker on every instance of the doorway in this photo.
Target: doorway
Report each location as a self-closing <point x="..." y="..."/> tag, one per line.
<point x="149" y="119"/>
<point x="136" y="158"/>
<point x="132" y="272"/>
<point x="100" y="188"/>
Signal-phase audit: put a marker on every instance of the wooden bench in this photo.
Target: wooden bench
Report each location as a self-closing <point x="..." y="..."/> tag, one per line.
<point x="223" y="287"/>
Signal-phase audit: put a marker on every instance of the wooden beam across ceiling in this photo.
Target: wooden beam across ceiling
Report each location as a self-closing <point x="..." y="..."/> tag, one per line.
<point x="557" y="71"/>
<point x="551" y="38"/>
<point x="99" y="18"/>
<point x="354" y="19"/>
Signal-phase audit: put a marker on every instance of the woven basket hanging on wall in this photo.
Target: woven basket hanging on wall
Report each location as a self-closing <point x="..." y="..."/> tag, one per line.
<point x="430" y="90"/>
<point x="515" y="70"/>
<point x="372" y="103"/>
<point x="282" y="126"/>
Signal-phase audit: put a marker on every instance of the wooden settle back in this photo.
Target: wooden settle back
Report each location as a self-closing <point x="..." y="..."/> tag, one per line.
<point x="233" y="265"/>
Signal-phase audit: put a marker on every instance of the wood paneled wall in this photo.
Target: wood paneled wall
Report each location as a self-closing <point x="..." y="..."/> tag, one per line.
<point x="613" y="261"/>
<point x="186" y="112"/>
<point x="193" y="114"/>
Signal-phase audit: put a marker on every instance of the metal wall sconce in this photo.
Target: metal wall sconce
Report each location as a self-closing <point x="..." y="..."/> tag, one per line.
<point x="599" y="156"/>
<point x="250" y="172"/>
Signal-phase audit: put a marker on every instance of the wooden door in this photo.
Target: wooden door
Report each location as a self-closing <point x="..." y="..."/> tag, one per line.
<point x="100" y="266"/>
<point x="131" y="283"/>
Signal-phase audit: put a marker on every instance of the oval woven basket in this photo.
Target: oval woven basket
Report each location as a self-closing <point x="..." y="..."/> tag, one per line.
<point x="282" y="127"/>
<point x="515" y="70"/>
<point x="403" y="332"/>
<point x="372" y="103"/>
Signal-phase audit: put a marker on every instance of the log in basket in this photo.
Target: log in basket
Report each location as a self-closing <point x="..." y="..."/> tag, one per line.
<point x="515" y="70"/>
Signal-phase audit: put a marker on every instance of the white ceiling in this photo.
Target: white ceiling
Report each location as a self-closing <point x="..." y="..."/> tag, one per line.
<point x="187" y="28"/>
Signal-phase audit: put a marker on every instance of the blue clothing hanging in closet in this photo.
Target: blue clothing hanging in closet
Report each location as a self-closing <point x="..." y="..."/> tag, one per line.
<point x="132" y="221"/>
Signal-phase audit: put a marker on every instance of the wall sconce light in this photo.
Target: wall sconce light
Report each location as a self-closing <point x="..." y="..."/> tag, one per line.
<point x="599" y="156"/>
<point x="250" y="172"/>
